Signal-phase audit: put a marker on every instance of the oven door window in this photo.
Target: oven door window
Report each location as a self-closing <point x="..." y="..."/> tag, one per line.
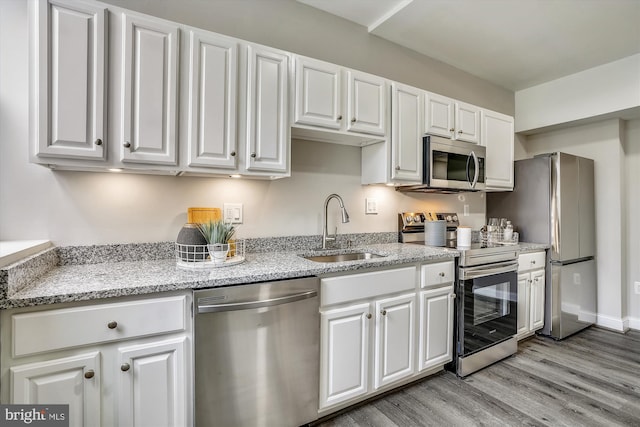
<point x="453" y="167"/>
<point x="490" y="305"/>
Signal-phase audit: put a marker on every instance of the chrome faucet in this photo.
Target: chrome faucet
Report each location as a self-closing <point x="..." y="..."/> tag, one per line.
<point x="345" y="219"/>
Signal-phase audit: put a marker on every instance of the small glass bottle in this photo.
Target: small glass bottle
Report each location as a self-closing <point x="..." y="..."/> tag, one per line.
<point x="507" y="233"/>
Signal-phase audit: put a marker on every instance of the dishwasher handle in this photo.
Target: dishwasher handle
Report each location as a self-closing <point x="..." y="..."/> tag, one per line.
<point x="247" y="305"/>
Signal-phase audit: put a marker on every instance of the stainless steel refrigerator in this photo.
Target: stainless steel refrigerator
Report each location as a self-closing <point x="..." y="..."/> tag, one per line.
<point x="553" y="203"/>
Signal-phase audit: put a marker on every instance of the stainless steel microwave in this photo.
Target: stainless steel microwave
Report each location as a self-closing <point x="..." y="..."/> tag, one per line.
<point x="450" y="166"/>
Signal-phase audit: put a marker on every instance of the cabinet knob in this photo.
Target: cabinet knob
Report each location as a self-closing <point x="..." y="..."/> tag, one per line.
<point x="112" y="325"/>
<point x="452" y="130"/>
<point x="368" y="315"/>
<point x="98" y="141"/>
<point x="253" y="155"/>
<point x="537" y="279"/>
<point x="383" y="312"/>
<point x="89" y="374"/>
<point x="397" y="168"/>
<point x="452" y="296"/>
<point x="460" y="131"/>
<point x="127" y="144"/>
<point x="340" y="117"/>
<point x="125" y="367"/>
<point x="533" y="261"/>
<point x="353" y="120"/>
<point x="441" y="274"/>
<point x="233" y="154"/>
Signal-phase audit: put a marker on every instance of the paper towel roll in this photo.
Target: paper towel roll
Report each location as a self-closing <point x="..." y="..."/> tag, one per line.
<point x="464" y="237"/>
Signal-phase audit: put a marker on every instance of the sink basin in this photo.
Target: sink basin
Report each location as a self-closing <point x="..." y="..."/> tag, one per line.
<point x="343" y="257"/>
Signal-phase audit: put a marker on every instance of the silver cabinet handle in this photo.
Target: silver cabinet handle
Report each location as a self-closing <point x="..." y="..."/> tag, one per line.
<point x="112" y="325"/>
<point x="127" y="144"/>
<point x="89" y="374"/>
<point x="125" y="367"/>
<point x="98" y="141"/>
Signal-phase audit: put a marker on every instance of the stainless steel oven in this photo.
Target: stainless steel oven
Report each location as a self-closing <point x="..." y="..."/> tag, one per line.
<point x="486" y="307"/>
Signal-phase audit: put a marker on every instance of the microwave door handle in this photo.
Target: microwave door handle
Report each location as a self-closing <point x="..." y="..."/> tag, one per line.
<point x="468" y="178"/>
<point x="477" y="170"/>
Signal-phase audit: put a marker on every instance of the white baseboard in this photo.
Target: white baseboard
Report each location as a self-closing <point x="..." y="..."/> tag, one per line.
<point x="633" y="323"/>
<point x="614" y="323"/>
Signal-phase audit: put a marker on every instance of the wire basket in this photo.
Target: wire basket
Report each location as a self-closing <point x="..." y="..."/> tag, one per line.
<point x="199" y="256"/>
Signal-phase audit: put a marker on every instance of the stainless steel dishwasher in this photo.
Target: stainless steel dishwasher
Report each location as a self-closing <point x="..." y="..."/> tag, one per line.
<point x="257" y="354"/>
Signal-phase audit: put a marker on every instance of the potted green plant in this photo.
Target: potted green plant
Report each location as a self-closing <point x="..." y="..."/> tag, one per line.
<point x="217" y="234"/>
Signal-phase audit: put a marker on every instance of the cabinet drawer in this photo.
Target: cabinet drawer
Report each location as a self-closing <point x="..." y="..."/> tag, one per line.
<point x="50" y="330"/>
<point x="335" y="290"/>
<point x="530" y="261"/>
<point x="437" y="274"/>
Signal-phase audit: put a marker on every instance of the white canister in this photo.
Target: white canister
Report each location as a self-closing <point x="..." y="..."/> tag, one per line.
<point x="464" y="237"/>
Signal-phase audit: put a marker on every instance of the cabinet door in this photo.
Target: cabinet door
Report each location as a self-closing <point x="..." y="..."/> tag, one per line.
<point x="69" y="71"/>
<point x="318" y="94"/>
<point x="407" y="130"/>
<point x="149" y="91"/>
<point x="267" y="133"/>
<point x="73" y="380"/>
<point x="467" y="120"/>
<point x="497" y="136"/>
<point x="524" y="289"/>
<point x="344" y="335"/>
<point x="154" y="390"/>
<point x="537" y="299"/>
<point x="394" y="342"/>
<point x="366" y="103"/>
<point x="212" y="100"/>
<point x="439" y="115"/>
<point x="436" y="327"/>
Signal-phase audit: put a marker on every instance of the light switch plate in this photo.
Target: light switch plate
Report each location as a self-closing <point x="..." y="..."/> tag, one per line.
<point x="232" y="213"/>
<point x="371" y="206"/>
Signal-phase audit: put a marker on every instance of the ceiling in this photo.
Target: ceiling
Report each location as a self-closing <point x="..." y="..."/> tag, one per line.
<point x="515" y="44"/>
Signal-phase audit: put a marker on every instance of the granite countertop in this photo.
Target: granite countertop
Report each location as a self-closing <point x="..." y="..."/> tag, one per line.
<point x="48" y="278"/>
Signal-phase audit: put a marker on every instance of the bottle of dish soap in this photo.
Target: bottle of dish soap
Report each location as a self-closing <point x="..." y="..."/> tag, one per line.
<point x="507" y="233"/>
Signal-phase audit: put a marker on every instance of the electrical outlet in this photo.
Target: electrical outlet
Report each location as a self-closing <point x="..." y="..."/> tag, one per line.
<point x="232" y="213"/>
<point x="576" y="278"/>
<point x="371" y="206"/>
<point x="466" y="210"/>
<point x="637" y="287"/>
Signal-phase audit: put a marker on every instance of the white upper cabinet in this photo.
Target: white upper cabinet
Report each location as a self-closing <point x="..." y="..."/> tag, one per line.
<point x="366" y="103"/>
<point x="149" y="102"/>
<point x="407" y="128"/>
<point x="318" y="93"/>
<point x="68" y="95"/>
<point x="213" y="90"/>
<point x="452" y="119"/>
<point x="267" y="122"/>
<point x="497" y="137"/>
<point x="332" y="97"/>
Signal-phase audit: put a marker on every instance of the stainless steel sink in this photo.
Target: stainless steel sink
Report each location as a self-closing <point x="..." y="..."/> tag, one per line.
<point x="354" y="256"/>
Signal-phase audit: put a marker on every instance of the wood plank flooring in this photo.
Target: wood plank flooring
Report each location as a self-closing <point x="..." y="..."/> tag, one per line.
<point x="589" y="379"/>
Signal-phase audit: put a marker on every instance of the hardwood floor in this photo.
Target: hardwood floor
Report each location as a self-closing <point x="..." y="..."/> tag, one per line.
<point x="589" y="379"/>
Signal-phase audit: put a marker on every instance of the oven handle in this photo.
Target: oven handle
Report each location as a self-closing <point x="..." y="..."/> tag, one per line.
<point x="488" y="270"/>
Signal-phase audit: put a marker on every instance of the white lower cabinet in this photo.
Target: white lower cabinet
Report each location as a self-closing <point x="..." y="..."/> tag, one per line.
<point x="74" y="381"/>
<point x="436" y="320"/>
<point x="370" y="331"/>
<point x="531" y="293"/>
<point x="141" y="379"/>
<point x="394" y="343"/>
